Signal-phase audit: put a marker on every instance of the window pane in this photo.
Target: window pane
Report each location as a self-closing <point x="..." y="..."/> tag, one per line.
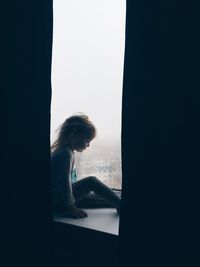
<point x="87" y="73"/>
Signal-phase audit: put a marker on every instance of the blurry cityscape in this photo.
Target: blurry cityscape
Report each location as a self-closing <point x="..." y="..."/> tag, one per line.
<point x="103" y="160"/>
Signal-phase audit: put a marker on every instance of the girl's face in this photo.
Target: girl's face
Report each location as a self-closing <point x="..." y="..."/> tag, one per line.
<point x="80" y="144"/>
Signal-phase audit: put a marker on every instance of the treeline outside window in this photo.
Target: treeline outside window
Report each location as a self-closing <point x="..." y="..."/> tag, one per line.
<point x="87" y="75"/>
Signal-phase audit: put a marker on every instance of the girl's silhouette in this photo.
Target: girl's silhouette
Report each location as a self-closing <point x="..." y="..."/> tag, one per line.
<point x="75" y="134"/>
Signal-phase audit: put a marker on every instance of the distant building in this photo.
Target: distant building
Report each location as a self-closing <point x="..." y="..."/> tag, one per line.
<point x="103" y="163"/>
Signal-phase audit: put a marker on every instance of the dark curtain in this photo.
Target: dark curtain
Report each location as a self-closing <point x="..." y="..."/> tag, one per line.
<point x="26" y="215"/>
<point x="160" y="135"/>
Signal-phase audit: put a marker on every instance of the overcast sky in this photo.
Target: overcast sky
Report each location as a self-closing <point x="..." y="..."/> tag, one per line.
<point x="87" y="67"/>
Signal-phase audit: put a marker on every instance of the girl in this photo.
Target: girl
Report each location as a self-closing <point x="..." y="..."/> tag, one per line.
<point x="75" y="134"/>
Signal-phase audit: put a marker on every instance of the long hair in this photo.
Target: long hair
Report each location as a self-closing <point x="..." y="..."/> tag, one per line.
<point x="76" y="125"/>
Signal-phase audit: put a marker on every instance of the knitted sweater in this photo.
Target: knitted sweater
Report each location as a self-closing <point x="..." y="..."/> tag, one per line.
<point x="62" y="162"/>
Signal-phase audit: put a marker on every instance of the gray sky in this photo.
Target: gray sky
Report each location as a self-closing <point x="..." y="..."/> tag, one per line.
<point x="87" y="67"/>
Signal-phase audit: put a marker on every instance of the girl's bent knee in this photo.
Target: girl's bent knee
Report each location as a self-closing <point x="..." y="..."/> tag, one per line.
<point x="93" y="180"/>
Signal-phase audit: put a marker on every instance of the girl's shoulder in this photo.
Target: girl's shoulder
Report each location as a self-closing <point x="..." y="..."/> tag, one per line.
<point x="62" y="153"/>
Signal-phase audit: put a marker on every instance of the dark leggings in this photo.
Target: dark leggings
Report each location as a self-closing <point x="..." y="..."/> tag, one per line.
<point x="82" y="188"/>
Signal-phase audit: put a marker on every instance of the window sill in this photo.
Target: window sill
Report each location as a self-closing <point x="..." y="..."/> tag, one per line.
<point x="102" y="219"/>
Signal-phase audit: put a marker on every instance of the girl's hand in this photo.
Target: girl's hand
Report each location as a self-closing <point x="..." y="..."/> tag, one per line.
<point x="75" y="212"/>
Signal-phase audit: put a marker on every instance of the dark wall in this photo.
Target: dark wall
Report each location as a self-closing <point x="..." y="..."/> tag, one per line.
<point x="78" y="246"/>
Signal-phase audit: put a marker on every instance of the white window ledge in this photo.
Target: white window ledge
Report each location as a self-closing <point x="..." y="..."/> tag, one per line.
<point x="102" y="219"/>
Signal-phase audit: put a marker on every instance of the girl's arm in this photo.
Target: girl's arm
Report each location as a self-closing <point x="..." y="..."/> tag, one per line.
<point x="65" y="171"/>
<point x="67" y="194"/>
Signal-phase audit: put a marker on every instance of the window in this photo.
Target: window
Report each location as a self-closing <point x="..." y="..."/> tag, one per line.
<point x="87" y="74"/>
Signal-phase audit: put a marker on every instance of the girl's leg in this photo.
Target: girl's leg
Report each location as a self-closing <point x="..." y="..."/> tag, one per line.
<point x="84" y="186"/>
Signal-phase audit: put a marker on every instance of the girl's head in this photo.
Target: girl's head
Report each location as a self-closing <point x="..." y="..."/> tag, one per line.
<point x="76" y="132"/>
